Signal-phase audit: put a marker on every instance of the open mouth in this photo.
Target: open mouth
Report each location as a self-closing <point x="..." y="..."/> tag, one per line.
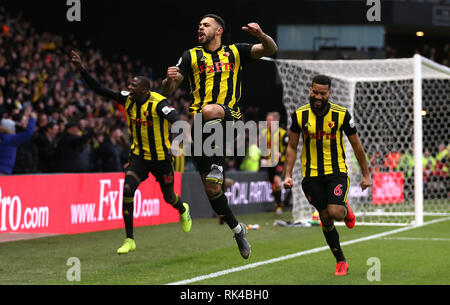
<point x="201" y="35"/>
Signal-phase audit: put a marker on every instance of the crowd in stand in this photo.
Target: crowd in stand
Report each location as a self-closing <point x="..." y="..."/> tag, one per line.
<point x="435" y="167"/>
<point x="75" y="130"/>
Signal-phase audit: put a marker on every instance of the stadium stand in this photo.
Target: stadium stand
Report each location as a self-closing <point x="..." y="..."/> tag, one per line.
<point x="35" y="73"/>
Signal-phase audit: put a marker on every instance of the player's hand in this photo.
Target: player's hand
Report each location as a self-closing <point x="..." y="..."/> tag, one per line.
<point x="254" y="29"/>
<point x="76" y="60"/>
<point x="288" y="183"/>
<point x="33" y="115"/>
<point x="365" y="182"/>
<point x="172" y="72"/>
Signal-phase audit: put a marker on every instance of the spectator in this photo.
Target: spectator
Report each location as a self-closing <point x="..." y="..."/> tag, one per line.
<point x="42" y="122"/>
<point x="110" y="156"/>
<point x="376" y="162"/>
<point x="46" y="144"/>
<point x="72" y="153"/>
<point x="406" y="164"/>
<point x="9" y="141"/>
<point x="251" y="159"/>
<point x="391" y="160"/>
<point x="27" y="153"/>
<point x="428" y="163"/>
<point x="443" y="151"/>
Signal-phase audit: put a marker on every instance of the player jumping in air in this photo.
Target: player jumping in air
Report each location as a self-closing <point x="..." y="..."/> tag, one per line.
<point x="214" y="72"/>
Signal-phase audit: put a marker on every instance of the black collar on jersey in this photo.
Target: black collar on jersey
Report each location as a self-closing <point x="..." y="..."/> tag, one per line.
<point x="210" y="52"/>
<point x="147" y="97"/>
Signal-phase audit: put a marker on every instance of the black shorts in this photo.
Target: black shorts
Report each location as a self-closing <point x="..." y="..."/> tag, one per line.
<point x="161" y="170"/>
<point x="329" y="189"/>
<point x="275" y="171"/>
<point x="204" y="162"/>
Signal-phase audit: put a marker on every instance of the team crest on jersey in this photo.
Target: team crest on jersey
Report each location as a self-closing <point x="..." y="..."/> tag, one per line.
<point x="204" y="58"/>
<point x="331" y="124"/>
<point x="307" y="124"/>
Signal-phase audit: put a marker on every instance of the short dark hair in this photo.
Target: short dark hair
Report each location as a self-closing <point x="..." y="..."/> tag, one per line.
<point x="71" y="124"/>
<point x="322" y="80"/>
<point x="50" y="125"/>
<point x="144" y="82"/>
<point x="217" y="18"/>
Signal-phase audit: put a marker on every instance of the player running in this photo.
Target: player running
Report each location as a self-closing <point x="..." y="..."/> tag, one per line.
<point x="214" y="72"/>
<point x="325" y="180"/>
<point x="148" y="115"/>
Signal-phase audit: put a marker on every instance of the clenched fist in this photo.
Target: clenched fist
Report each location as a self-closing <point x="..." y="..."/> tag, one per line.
<point x="254" y="29"/>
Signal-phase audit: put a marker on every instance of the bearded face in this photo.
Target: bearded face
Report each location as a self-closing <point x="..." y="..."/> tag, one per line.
<point x="207" y="30"/>
<point x="319" y="98"/>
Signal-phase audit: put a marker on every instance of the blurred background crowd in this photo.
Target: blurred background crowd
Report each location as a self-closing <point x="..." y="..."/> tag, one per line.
<point x="61" y="126"/>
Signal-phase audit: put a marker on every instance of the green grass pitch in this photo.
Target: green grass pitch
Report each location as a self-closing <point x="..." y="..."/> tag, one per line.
<point x="165" y="255"/>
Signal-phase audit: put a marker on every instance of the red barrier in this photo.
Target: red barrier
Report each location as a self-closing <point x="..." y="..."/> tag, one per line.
<point x="78" y="203"/>
<point x="388" y="188"/>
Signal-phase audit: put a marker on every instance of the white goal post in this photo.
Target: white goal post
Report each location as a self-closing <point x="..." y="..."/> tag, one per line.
<point x="390" y="100"/>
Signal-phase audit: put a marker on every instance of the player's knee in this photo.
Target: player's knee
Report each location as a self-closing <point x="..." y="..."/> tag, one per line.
<point x="276" y="185"/>
<point x="325" y="217"/>
<point x="336" y="212"/>
<point x="130" y="186"/>
<point x="127" y="190"/>
<point x="212" y="111"/>
<point x="212" y="189"/>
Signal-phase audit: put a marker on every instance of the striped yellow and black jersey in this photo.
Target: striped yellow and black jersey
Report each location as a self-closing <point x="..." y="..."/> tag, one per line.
<point x="215" y="77"/>
<point x="148" y="123"/>
<point x="178" y="162"/>
<point x="323" y="151"/>
<point x="149" y="127"/>
<point x="281" y="138"/>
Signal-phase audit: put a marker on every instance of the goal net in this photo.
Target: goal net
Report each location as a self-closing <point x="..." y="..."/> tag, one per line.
<point x="401" y="108"/>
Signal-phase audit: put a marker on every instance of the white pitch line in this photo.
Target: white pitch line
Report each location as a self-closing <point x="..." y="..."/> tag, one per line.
<point x="294" y="255"/>
<point x="417" y="238"/>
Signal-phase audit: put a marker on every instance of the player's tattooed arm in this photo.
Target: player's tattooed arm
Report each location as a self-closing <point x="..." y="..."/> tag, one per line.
<point x="267" y="47"/>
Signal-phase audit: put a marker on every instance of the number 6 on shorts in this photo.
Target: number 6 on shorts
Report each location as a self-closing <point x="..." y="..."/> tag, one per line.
<point x="339" y="187"/>
<point x="338" y="190"/>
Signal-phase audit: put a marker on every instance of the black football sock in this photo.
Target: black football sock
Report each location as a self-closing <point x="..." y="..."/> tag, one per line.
<point x="219" y="203"/>
<point x="127" y="211"/>
<point x="277" y="196"/>
<point x="179" y="205"/>
<point x="332" y="237"/>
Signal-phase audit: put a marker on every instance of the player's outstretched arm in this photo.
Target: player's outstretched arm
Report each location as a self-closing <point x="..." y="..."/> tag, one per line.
<point x="267" y="47"/>
<point x="354" y="140"/>
<point x="93" y="83"/>
<point x="291" y="156"/>
<point x="172" y="81"/>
